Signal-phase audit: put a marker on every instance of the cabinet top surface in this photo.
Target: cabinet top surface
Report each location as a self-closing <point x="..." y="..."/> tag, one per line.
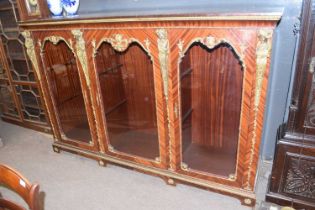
<point x="273" y="17"/>
<point x="107" y="11"/>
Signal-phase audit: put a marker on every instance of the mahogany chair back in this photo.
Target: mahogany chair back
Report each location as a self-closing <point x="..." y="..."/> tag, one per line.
<point x="16" y="182"/>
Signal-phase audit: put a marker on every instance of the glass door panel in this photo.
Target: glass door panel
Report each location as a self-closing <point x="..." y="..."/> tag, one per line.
<point x="66" y="89"/>
<point x="31" y="106"/>
<point x="127" y="85"/>
<point x="211" y="91"/>
<point x="7" y="104"/>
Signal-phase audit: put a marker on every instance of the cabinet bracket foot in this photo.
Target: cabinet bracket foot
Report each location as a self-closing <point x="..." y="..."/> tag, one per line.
<point x="56" y="149"/>
<point x="170" y="181"/>
<point x="102" y="163"/>
<point x="248" y="202"/>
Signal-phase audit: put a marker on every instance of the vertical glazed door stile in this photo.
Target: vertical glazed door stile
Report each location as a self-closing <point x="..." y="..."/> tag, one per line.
<point x="82" y="59"/>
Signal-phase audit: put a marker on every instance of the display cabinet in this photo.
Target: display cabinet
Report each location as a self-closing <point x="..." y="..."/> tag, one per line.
<point x="21" y="100"/>
<point x="7" y="104"/>
<point x="180" y="97"/>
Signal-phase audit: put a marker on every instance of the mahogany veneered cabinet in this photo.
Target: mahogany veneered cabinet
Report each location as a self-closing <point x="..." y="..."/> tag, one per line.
<point x="179" y="97"/>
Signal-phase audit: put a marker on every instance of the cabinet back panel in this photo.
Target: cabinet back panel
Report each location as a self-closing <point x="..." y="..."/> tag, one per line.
<point x="7" y="104"/>
<point x="110" y="76"/>
<point x="215" y="93"/>
<point x="139" y="86"/>
<point x="127" y="85"/>
<point x="67" y="93"/>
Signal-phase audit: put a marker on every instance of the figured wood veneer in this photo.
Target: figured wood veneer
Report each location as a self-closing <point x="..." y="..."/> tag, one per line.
<point x="126" y="80"/>
<point x="215" y="90"/>
<point x="64" y="80"/>
<point x="217" y="79"/>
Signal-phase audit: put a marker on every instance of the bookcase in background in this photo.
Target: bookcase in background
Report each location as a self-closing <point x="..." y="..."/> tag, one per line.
<point x="20" y="98"/>
<point x="292" y="180"/>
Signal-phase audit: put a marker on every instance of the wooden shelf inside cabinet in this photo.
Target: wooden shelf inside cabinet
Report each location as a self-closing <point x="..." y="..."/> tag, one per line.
<point x="11" y="29"/>
<point x="19" y="82"/>
<point x="185" y="73"/>
<point x="17" y="56"/>
<point x="4" y="8"/>
<point x="69" y="100"/>
<point x="31" y="106"/>
<point x="3" y="78"/>
<point x="111" y="69"/>
<point x="113" y="108"/>
<point x="186" y="115"/>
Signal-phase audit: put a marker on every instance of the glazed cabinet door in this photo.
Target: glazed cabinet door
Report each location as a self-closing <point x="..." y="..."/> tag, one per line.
<point x="8" y="105"/>
<point x="212" y="103"/>
<point x="63" y="79"/>
<point x="128" y="83"/>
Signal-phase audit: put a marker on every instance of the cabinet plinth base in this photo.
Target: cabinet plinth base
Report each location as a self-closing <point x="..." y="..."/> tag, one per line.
<point x="171" y="177"/>
<point x="287" y="201"/>
<point x="248" y="202"/>
<point x="34" y="126"/>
